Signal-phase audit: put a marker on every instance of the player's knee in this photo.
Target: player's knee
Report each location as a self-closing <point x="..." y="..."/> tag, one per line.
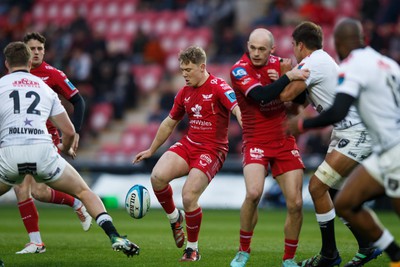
<point x="342" y="207"/>
<point x="40" y="195"/>
<point x="326" y="175"/>
<point x="22" y="192"/>
<point x="253" y="195"/>
<point x="294" y="205"/>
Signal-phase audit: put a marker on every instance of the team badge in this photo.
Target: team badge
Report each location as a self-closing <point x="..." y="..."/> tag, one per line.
<point x="343" y="143"/>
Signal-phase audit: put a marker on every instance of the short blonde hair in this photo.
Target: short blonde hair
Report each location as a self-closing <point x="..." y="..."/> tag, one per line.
<point x="193" y="54"/>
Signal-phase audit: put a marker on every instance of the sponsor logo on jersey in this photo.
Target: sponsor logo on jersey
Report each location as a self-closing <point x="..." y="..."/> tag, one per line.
<point x="45" y="78"/>
<point x="340" y="78"/>
<point x="207" y="97"/>
<point x="186" y="99"/>
<point x="24" y="82"/>
<point x="239" y="72"/>
<point x="22" y="130"/>
<point x="246" y="81"/>
<point x="231" y="96"/>
<point x="214" y="81"/>
<point x="343" y="143"/>
<point x="225" y="86"/>
<point x="300" y="66"/>
<point x="196" y="110"/>
<point x="70" y="85"/>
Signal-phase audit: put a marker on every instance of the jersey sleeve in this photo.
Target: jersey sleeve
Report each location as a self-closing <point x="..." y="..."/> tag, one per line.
<point x="57" y="107"/>
<point x="242" y="80"/>
<point x="349" y="79"/>
<point x="227" y="96"/>
<point x="178" y="109"/>
<point x="62" y="85"/>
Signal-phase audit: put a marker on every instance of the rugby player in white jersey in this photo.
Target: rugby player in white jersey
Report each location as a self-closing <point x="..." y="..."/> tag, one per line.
<point x="371" y="82"/>
<point x="349" y="145"/>
<point x="26" y="147"/>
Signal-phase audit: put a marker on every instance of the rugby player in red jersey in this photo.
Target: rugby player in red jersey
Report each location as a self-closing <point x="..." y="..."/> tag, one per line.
<point x="265" y="143"/>
<point x="199" y="155"/>
<point x="59" y="82"/>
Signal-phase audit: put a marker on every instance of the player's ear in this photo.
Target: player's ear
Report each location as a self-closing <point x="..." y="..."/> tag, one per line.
<point x="202" y="67"/>
<point x="273" y="49"/>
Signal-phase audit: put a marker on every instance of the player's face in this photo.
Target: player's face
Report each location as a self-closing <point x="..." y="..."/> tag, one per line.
<point x="192" y="73"/>
<point x="259" y="53"/>
<point x="37" y="49"/>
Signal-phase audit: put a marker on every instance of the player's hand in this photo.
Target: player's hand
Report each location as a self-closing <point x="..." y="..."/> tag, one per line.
<point x="69" y="152"/>
<point x="273" y="74"/>
<point x="141" y="156"/>
<point x="292" y="125"/>
<point x="286" y="65"/>
<point x="75" y="144"/>
<point x="298" y="74"/>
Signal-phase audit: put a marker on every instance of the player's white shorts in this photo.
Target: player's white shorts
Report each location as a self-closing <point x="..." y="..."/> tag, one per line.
<point x="385" y="168"/>
<point x="353" y="142"/>
<point x="42" y="161"/>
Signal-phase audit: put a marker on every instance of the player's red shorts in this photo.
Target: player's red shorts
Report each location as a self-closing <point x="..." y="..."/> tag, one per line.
<point x="205" y="158"/>
<point x="282" y="155"/>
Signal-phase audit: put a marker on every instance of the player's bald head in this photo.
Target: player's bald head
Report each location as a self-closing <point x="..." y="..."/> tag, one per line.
<point x="261" y="35"/>
<point x="348" y="35"/>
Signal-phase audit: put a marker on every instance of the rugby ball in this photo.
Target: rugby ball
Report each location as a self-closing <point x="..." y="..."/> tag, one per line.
<point x="137" y="201"/>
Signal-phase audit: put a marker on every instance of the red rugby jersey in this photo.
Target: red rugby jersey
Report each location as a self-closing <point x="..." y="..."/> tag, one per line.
<point x="57" y="81"/>
<point x="208" y="107"/>
<point x="261" y="122"/>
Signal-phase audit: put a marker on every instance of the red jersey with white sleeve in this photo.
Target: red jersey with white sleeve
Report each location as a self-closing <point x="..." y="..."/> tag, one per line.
<point x="262" y="122"/>
<point x="208" y="108"/>
<point x="60" y="84"/>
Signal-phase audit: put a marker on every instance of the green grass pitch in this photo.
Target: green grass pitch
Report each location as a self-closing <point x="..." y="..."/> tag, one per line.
<point x="68" y="245"/>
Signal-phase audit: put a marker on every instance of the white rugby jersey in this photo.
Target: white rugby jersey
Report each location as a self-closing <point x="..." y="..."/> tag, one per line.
<point x="374" y="80"/>
<point x="321" y="85"/>
<point x="26" y="103"/>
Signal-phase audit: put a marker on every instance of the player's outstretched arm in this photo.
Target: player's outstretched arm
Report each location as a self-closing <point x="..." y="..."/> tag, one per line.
<point x="163" y="132"/>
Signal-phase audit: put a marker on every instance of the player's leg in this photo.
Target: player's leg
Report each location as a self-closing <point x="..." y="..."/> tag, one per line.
<point x="72" y="183"/>
<point x="254" y="178"/>
<point x="29" y="216"/>
<point x="328" y="175"/>
<point x="291" y="183"/>
<point x="170" y="166"/>
<point x="359" y="188"/>
<point x="4" y="188"/>
<point x="46" y="194"/>
<point x="196" y="182"/>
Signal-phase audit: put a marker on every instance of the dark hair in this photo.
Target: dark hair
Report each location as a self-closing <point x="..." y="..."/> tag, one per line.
<point x="193" y="54"/>
<point x="34" y="36"/>
<point x="309" y="33"/>
<point x="17" y="54"/>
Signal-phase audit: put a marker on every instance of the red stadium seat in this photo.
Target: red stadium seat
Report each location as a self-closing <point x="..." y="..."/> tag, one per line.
<point x="147" y="77"/>
<point x="100" y="117"/>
